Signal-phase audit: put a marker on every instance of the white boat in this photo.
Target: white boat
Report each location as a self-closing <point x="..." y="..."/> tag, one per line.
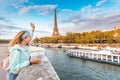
<point x="100" y="55"/>
<point x="69" y="47"/>
<point x="87" y="47"/>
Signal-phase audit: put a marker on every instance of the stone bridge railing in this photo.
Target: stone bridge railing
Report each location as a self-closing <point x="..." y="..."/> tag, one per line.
<point x="41" y="71"/>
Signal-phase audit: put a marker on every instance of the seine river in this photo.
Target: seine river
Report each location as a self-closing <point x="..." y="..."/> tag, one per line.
<point x="69" y="68"/>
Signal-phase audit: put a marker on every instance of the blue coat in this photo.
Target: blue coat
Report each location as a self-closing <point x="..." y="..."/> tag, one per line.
<point x="19" y="58"/>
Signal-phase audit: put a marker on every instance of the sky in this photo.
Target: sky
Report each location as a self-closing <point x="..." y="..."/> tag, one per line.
<point x="72" y="16"/>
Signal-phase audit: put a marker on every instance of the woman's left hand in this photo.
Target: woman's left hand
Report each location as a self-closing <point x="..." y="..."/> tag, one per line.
<point x="32" y="26"/>
<point x="34" y="61"/>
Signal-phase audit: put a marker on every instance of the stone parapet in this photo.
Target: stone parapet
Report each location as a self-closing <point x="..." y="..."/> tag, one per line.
<point x="41" y="71"/>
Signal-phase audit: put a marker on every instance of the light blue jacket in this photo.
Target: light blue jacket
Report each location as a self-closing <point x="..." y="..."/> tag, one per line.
<point x="19" y="58"/>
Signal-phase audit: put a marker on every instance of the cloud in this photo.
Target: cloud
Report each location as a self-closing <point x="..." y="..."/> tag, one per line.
<point x="24" y="6"/>
<point x="67" y="11"/>
<point x="98" y="23"/>
<point x="39" y="33"/>
<point x="73" y="19"/>
<point x="8" y="31"/>
<point x="101" y="2"/>
<point x="83" y="15"/>
<point x="91" y="18"/>
<point x="8" y="27"/>
<point x="41" y="9"/>
<point x="3" y="19"/>
<point x="90" y="11"/>
<point x="24" y="10"/>
<point x="22" y="1"/>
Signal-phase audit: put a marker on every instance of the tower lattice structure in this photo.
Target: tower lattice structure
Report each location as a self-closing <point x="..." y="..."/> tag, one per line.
<point x="55" y="29"/>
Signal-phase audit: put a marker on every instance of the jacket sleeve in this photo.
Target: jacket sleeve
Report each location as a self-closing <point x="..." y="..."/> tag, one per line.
<point x="32" y="33"/>
<point x="15" y="64"/>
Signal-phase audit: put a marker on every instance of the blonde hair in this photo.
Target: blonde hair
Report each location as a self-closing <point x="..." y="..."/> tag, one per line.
<point x="17" y="39"/>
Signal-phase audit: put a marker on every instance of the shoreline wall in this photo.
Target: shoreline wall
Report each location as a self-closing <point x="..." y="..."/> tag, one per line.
<point x="114" y="45"/>
<point x="3" y="51"/>
<point x="41" y="71"/>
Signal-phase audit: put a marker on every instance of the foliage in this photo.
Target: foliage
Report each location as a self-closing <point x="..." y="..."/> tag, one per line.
<point x="4" y="41"/>
<point x="85" y="37"/>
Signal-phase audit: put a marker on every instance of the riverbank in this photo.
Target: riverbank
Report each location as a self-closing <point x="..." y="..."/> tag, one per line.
<point x="41" y="71"/>
<point x="59" y="45"/>
<point x="3" y="51"/>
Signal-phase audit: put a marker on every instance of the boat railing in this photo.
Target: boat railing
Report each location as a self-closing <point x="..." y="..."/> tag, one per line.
<point x="107" y="56"/>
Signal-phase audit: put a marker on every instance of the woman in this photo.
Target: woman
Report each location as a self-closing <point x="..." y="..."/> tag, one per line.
<point x="20" y="53"/>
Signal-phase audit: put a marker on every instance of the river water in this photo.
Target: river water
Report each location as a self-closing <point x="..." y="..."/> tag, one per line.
<point x="69" y="68"/>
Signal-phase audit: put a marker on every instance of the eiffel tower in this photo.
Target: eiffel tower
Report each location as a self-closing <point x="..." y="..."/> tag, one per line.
<point x="55" y="30"/>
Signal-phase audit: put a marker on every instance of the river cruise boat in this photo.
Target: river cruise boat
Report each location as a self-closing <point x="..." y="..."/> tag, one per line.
<point x="106" y="56"/>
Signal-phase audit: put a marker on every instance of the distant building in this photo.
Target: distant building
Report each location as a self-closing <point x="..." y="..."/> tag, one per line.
<point x="117" y="27"/>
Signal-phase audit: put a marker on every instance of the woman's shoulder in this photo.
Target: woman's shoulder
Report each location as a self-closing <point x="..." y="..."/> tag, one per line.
<point x="15" y="47"/>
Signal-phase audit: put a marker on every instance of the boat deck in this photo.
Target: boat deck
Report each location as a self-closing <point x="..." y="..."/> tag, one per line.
<point x="104" y="56"/>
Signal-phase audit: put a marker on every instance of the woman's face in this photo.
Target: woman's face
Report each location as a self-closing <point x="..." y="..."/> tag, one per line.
<point x="27" y="39"/>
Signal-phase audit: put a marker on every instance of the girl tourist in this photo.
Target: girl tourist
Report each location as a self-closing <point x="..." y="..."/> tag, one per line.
<point x="20" y="53"/>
